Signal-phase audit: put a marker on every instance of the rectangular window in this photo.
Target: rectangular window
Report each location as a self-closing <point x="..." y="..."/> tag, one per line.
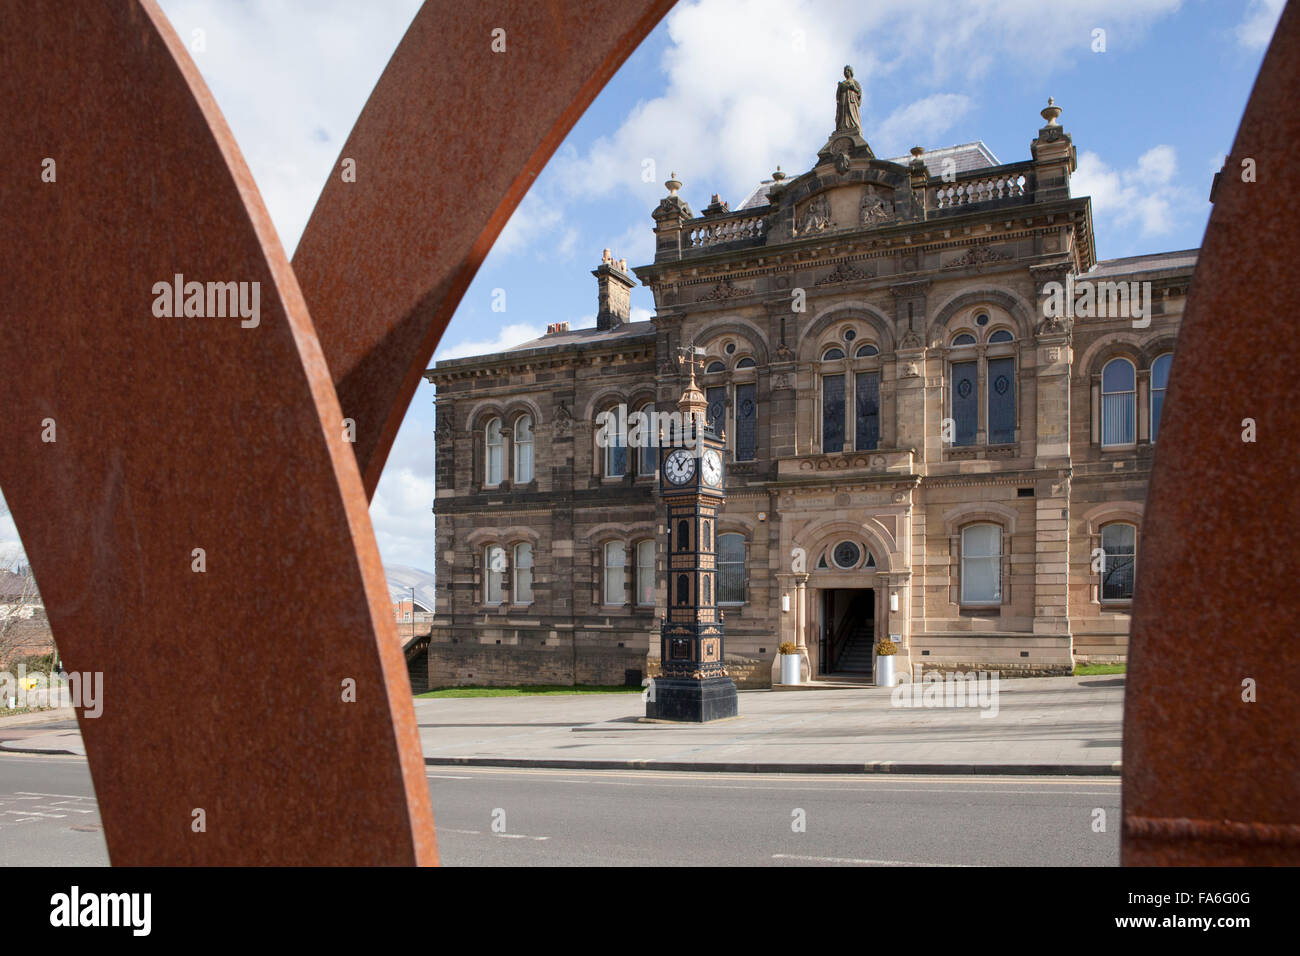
<point x="746" y="423"/>
<point x="832" y="414"/>
<point x="649" y="443"/>
<point x="731" y="569"/>
<point x="1002" y="401"/>
<point x="1118" y="551"/>
<point x="965" y="402"/>
<point x="616" y="457"/>
<point x="523" y="574"/>
<point x="981" y="564"/>
<point x="494" y="574"/>
<point x="716" y="396"/>
<point x="645" y="573"/>
<point x="866" y="394"/>
<point x="615" y="583"/>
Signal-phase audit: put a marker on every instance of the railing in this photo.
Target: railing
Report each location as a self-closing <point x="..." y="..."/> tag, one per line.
<point x="970" y="192"/>
<point x="715" y="232"/>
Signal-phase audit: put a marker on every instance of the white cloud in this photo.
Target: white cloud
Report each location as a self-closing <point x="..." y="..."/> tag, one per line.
<point x="402" y="514"/>
<point x="1144" y="194"/>
<point x="509" y="336"/>
<point x="1256" y="29"/>
<point x="920" y="123"/>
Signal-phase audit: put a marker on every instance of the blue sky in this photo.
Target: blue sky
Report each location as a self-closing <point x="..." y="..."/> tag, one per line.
<point x="721" y="93"/>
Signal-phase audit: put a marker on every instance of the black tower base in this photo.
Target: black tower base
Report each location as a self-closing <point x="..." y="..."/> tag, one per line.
<point x="692" y="700"/>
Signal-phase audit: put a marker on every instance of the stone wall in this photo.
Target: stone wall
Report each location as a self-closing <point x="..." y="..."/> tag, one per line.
<point x="464" y="665"/>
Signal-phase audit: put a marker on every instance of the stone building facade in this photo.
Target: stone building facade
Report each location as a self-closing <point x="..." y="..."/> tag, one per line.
<point x="940" y="413"/>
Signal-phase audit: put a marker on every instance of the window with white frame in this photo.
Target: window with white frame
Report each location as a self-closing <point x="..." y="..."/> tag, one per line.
<point x="981" y="564"/>
<point x="648" y="459"/>
<point x="645" y="572"/>
<point x="494" y="574"/>
<point x="494" y="441"/>
<point x="615" y="583"/>
<point x="523" y="449"/>
<point x="616" y="446"/>
<point x="1118" y="403"/>
<point x="1159" y="382"/>
<point x="523" y="570"/>
<point x="1118" y="557"/>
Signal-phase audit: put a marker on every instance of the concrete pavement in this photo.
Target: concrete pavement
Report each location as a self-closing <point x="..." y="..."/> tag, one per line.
<point x="1061" y="725"/>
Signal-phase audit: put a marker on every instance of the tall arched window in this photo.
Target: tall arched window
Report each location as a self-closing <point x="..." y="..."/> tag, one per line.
<point x="615" y="445"/>
<point x="523" y="449"/>
<point x="981" y="564"/>
<point x="645" y="572"/>
<point x="615" y="573"/>
<point x="1118" y="554"/>
<point x="648" y="460"/>
<point x="1159" y="382"/>
<point x="731" y="568"/>
<point x="523" y="588"/>
<point x="494" y="464"/>
<point x="494" y="573"/>
<point x="1118" y="403"/>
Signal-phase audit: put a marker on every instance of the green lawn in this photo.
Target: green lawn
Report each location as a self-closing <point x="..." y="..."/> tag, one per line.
<point x="529" y="690"/>
<point x="1092" y="670"/>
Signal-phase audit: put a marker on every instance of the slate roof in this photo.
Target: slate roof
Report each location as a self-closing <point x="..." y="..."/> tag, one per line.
<point x="1155" y="262"/>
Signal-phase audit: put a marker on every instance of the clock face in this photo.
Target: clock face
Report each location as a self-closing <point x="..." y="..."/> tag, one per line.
<point x="712" y="468"/>
<point x="680" y="467"/>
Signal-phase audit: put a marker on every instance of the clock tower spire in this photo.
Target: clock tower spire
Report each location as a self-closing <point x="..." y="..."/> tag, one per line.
<point x="695" y="685"/>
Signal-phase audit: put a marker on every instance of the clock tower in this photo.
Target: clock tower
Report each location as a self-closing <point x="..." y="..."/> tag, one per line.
<point x="694" y="685"/>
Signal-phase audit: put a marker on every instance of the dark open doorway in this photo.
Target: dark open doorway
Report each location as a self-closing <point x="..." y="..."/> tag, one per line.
<point x="848" y="630"/>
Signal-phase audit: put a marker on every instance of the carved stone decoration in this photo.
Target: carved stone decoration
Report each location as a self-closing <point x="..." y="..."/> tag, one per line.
<point x="848" y="104"/>
<point x="784" y="353"/>
<point x="782" y="381"/>
<point x="977" y="256"/>
<point x="1050" y="324"/>
<point x="563" y="420"/>
<point x="875" y="210"/>
<point x="841" y="163"/>
<point x="843" y="272"/>
<point x="723" y="290"/>
<point x="912" y="340"/>
<point x="816" y="215"/>
<point x="911" y="371"/>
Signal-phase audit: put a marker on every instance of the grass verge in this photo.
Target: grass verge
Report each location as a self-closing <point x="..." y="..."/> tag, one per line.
<point x="1092" y="670"/>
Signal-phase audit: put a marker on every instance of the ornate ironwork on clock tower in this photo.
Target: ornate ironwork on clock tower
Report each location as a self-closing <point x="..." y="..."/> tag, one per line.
<point x="695" y="685"/>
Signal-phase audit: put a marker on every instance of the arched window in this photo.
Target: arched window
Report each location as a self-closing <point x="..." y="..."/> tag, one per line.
<point x="1159" y="382"/>
<point x="981" y="564"/>
<point x="715" y="367"/>
<point x="833" y="353"/>
<point x="615" y="573"/>
<point x="683" y="535"/>
<point x="731" y="568"/>
<point x="964" y="339"/>
<point x="683" y="589"/>
<point x="1001" y="335"/>
<point x="1118" y="555"/>
<point x="1118" y="403"/>
<point x="523" y="449"/>
<point x="746" y="362"/>
<point x="645" y="572"/>
<point x="866" y="351"/>
<point x="648" y="460"/>
<point x="494" y="573"/>
<point x="615" y="438"/>
<point x="523" y="586"/>
<point x="496" y="446"/>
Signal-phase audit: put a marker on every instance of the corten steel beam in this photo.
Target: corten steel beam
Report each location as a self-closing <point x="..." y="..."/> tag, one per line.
<point x="223" y="688"/>
<point x="1210" y="779"/>
<point x="448" y="144"/>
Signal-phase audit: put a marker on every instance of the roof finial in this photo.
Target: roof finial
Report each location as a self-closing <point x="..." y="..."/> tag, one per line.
<point x="672" y="185"/>
<point x="1052" y="112"/>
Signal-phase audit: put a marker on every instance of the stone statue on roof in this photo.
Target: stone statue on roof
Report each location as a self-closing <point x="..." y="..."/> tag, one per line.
<point x="848" y="104"/>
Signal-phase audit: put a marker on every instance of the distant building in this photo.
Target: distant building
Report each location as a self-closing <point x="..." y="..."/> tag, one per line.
<point x="935" y="432"/>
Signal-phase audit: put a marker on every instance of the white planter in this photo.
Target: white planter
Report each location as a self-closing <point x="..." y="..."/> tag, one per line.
<point x="790" y="668"/>
<point x="885" y="671"/>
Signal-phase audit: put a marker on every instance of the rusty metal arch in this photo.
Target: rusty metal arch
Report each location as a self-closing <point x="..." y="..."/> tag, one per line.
<point x="1210" y="778"/>
<point x="225" y="686"/>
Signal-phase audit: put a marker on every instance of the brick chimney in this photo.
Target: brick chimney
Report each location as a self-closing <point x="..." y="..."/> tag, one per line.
<point x="613" y="292"/>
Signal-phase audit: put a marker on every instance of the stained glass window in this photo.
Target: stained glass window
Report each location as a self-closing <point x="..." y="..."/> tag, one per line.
<point x="746" y="422"/>
<point x="1002" y="401"/>
<point x="965" y="402"/>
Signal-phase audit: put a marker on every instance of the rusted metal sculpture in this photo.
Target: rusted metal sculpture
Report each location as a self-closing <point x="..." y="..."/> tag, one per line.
<point x="179" y="474"/>
<point x="1211" y="750"/>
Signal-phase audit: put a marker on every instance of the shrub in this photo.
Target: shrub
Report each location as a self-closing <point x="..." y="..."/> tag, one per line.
<point x="788" y="647"/>
<point x="886" y="648"/>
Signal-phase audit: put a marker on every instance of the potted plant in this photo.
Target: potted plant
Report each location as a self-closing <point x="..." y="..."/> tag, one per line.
<point x="885" y="652"/>
<point x="790" y="661"/>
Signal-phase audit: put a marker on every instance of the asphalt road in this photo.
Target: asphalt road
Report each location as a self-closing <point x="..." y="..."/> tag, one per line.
<point x="508" y="817"/>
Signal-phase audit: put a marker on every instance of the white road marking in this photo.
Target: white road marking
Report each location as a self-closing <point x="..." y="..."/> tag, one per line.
<point x="512" y="836"/>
